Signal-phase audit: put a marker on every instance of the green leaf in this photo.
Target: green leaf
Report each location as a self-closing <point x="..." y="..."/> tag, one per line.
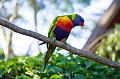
<point x="79" y="76"/>
<point x="55" y="76"/>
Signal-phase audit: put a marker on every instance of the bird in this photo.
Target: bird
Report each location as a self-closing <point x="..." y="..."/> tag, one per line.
<point x="60" y="29"/>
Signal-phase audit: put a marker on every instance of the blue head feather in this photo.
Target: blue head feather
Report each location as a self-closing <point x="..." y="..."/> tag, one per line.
<point x="78" y="19"/>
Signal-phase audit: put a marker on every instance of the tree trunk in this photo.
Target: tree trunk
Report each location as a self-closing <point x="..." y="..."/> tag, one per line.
<point x="107" y="22"/>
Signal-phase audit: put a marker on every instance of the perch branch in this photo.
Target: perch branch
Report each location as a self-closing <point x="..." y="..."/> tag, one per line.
<point x="67" y="47"/>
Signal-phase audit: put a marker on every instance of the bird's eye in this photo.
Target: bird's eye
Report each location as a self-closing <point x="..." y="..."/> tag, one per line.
<point x="81" y="23"/>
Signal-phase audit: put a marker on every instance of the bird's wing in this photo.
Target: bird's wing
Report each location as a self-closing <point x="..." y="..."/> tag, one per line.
<point x="51" y="30"/>
<point x="50" y="48"/>
<point x="51" y="33"/>
<point x="52" y="27"/>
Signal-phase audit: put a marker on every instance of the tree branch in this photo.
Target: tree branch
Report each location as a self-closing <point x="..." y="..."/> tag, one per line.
<point x="71" y="49"/>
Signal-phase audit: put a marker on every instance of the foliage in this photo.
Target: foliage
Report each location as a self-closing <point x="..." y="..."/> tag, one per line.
<point x="59" y="67"/>
<point x="110" y="47"/>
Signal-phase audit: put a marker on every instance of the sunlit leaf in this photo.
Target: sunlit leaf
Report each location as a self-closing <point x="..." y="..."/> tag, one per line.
<point x="55" y="76"/>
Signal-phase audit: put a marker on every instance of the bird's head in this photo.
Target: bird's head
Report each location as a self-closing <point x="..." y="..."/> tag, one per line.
<point x="78" y="21"/>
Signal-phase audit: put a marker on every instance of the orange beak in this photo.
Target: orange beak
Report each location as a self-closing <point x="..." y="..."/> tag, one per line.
<point x="81" y="23"/>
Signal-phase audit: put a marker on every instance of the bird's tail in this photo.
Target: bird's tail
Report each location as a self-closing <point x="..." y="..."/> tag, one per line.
<point x="42" y="43"/>
<point x="47" y="57"/>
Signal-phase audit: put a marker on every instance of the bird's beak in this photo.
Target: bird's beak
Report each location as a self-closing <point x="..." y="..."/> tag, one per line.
<point x="81" y="23"/>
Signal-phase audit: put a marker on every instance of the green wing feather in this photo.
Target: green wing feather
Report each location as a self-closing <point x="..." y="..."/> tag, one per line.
<point x="50" y="48"/>
<point x="52" y="27"/>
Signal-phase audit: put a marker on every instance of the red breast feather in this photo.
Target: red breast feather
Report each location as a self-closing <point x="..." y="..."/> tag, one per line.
<point x="64" y="23"/>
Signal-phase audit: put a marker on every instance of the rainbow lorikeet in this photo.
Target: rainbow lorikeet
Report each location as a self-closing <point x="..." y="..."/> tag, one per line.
<point x="60" y="30"/>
